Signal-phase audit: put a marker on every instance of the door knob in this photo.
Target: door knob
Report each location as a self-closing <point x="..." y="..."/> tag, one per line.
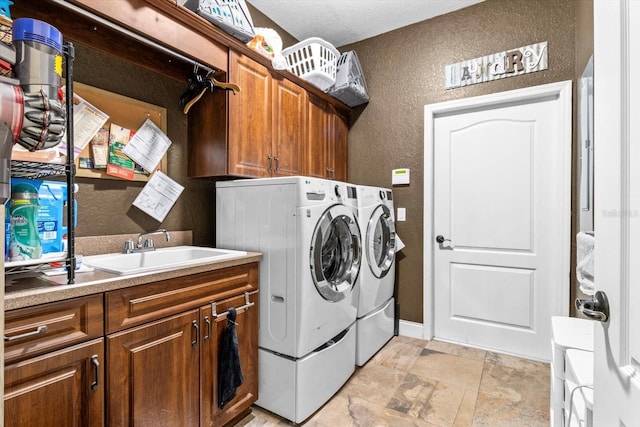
<point x="596" y="308"/>
<point x="440" y="239"/>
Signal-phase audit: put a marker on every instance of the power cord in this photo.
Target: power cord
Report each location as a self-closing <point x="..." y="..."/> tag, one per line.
<point x="590" y="386"/>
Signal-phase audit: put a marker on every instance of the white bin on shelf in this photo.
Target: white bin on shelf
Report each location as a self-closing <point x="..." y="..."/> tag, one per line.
<point x="350" y="86"/>
<point x="232" y="16"/>
<point x="313" y="60"/>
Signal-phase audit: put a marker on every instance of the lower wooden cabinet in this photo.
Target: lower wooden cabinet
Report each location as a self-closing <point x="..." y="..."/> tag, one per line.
<point x="54" y="364"/>
<point x="153" y="376"/>
<point x="165" y="373"/>
<point x="163" y="369"/>
<point x="60" y="388"/>
<point x="247" y="332"/>
<point x="156" y="366"/>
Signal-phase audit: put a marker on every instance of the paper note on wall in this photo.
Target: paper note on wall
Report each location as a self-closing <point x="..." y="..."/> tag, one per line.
<point x="158" y="196"/>
<point x="87" y="121"/>
<point x="147" y="146"/>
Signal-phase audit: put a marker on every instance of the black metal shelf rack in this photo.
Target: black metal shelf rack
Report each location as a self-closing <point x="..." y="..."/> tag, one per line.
<point x="35" y="170"/>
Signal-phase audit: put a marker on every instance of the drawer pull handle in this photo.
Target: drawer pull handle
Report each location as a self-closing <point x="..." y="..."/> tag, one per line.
<point x="197" y="332"/>
<point x="207" y="321"/>
<point x="96" y="365"/>
<point x="39" y="330"/>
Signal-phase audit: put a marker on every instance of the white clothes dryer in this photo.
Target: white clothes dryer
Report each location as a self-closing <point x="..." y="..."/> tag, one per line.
<point x="311" y="248"/>
<point x="376" y="281"/>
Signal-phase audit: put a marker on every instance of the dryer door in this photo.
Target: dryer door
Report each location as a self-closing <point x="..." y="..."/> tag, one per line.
<point x="335" y="253"/>
<point x="380" y="241"/>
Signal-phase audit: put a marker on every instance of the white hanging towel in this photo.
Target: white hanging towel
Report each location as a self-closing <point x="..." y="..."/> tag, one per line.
<point x="584" y="268"/>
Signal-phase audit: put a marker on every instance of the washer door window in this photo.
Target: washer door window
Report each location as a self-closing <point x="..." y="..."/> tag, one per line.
<point x="380" y="241"/>
<point x="335" y="253"/>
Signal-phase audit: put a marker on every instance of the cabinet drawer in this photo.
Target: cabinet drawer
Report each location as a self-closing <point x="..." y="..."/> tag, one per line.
<point x="36" y="330"/>
<point x="140" y="304"/>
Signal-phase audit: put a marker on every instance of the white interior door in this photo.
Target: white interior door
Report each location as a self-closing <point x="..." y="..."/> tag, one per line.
<point x="501" y="221"/>
<point x="617" y="211"/>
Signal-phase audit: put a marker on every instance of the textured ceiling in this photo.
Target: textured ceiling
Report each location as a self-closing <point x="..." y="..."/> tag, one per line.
<point x="341" y="22"/>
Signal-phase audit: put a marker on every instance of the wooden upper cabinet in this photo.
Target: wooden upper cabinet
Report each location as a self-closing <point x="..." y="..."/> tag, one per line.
<point x="317" y="139"/>
<point x="266" y="132"/>
<point x="266" y="121"/>
<point x="249" y="118"/>
<point x="288" y="124"/>
<point x="340" y="151"/>
<point x="327" y="141"/>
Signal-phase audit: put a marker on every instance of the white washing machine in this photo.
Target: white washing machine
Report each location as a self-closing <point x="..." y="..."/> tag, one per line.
<point x="376" y="281"/>
<point x="311" y="248"/>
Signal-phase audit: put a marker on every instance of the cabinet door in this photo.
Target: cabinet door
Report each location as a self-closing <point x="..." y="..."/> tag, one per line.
<point x="289" y="112"/>
<point x="249" y="118"/>
<point x="154" y="373"/>
<point x="339" y="148"/>
<point x="61" y="388"/>
<point x="247" y="333"/>
<point x="317" y="138"/>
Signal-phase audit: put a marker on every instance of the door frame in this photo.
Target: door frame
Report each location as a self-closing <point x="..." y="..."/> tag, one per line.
<point x="560" y="90"/>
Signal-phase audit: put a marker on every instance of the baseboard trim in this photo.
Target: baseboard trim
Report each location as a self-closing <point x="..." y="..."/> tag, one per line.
<point x="411" y="329"/>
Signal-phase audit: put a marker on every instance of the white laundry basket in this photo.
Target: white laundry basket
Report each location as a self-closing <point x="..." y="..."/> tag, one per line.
<point x="313" y="60"/>
<point x="350" y="86"/>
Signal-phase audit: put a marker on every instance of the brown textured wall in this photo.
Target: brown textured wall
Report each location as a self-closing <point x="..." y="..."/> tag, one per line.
<point x="404" y="70"/>
<point x="584" y="34"/>
<point x="104" y="205"/>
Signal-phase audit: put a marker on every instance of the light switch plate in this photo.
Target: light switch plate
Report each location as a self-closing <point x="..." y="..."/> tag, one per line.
<point x="402" y="214"/>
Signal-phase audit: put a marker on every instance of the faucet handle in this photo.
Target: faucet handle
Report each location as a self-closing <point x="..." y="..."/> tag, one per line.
<point x="148" y="243"/>
<point x="128" y="246"/>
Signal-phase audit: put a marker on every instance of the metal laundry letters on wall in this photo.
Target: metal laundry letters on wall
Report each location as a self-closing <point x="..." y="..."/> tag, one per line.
<point x="515" y="62"/>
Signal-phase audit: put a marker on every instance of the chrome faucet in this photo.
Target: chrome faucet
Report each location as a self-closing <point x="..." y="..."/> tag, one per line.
<point x="146" y="244"/>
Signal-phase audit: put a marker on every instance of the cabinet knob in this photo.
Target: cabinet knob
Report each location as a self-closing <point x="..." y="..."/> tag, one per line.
<point x="330" y="172"/>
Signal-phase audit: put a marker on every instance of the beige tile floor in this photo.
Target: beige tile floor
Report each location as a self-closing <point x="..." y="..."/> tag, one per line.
<point x="412" y="382"/>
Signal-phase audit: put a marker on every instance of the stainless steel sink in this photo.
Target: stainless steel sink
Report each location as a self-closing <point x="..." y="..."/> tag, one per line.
<point x="159" y="259"/>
